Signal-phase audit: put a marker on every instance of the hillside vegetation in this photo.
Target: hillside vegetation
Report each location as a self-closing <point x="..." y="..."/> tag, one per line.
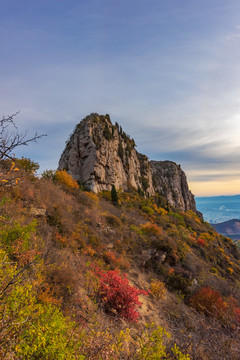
<point x="83" y="278"/>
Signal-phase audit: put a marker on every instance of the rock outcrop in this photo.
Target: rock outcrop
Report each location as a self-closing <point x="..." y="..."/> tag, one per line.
<point x="99" y="154"/>
<point x="171" y="182"/>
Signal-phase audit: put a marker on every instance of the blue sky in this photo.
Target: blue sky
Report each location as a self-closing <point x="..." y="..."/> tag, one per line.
<point x="167" y="71"/>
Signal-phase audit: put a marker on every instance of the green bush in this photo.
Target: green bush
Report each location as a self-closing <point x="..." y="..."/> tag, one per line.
<point x="28" y="165"/>
<point x="148" y="210"/>
<point x="114" y="195"/>
<point x="16" y="233"/>
<point x="107" y="133"/>
<point x="49" y="174"/>
<point x="177" y="282"/>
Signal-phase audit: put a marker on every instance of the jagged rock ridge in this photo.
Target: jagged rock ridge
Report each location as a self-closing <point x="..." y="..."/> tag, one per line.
<point x="171" y="182"/>
<point x="100" y="154"/>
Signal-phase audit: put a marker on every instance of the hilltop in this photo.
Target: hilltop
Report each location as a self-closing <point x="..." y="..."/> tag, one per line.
<point x="99" y="154"/>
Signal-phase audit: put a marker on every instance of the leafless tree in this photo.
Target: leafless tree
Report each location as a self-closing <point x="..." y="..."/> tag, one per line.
<point x="11" y="138"/>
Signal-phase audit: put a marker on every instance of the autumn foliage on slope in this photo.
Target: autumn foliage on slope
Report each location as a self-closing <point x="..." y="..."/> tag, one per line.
<point x="211" y="303"/>
<point x="117" y="295"/>
<point x="50" y="233"/>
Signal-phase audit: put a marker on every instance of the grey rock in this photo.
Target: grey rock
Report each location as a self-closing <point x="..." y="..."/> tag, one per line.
<point x="99" y="155"/>
<point x="171" y="182"/>
<point x="37" y="211"/>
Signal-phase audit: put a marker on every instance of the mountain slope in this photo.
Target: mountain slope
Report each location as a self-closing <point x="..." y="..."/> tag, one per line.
<point x="59" y="240"/>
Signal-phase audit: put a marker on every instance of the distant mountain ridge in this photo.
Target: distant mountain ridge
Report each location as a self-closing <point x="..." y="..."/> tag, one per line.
<point x="100" y="154"/>
<point x="230" y="228"/>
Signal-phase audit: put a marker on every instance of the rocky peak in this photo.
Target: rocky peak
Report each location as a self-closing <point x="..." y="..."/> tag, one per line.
<point x="100" y="154"/>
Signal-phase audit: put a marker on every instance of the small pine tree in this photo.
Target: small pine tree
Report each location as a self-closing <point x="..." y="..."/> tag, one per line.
<point x="120" y="150"/>
<point x="106" y="132"/>
<point x="114" y="195"/>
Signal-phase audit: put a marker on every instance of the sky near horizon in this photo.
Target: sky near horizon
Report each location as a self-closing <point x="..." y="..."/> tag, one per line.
<point x="167" y="71"/>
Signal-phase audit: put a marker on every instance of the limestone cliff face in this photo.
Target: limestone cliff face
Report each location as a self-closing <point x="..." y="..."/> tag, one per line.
<point x="99" y="154"/>
<point x="171" y="182"/>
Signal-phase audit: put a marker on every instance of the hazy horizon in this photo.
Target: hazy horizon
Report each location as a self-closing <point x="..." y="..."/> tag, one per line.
<point x="218" y="209"/>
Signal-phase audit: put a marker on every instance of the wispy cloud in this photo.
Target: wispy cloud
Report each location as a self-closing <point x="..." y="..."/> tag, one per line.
<point x="168" y="72"/>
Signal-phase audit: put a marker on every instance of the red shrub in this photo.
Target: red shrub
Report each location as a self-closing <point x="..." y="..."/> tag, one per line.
<point x="233" y="309"/>
<point x="237" y="314"/>
<point x="201" y="242"/>
<point x="117" y="295"/>
<point x="209" y="302"/>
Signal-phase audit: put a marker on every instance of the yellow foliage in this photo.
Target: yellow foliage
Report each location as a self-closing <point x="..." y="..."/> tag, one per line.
<point x="66" y="180"/>
<point x="157" y="289"/>
<point x="94" y="197"/>
<point x="11" y="178"/>
<point x="230" y="270"/>
<point x="206" y="237"/>
<point x="161" y="211"/>
<point x="88" y="250"/>
<point x="150" y="228"/>
<point x="113" y="220"/>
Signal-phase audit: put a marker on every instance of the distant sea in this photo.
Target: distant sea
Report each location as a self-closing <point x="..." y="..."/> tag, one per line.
<point x="216" y="209"/>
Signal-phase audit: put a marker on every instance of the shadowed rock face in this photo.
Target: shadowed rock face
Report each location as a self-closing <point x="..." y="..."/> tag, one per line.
<point x="171" y="182"/>
<point x="99" y="154"/>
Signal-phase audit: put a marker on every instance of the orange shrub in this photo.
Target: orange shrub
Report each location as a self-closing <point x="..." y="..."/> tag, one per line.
<point x="115" y="261"/>
<point x="63" y="178"/>
<point x="230" y="270"/>
<point x="46" y="295"/>
<point x="94" y="197"/>
<point x="201" y="242"/>
<point x="150" y="229"/>
<point x="207" y="237"/>
<point x="209" y="302"/>
<point x="111" y="259"/>
<point x="237" y="314"/>
<point x="171" y="271"/>
<point x="88" y="250"/>
<point x="162" y="211"/>
<point x="60" y="239"/>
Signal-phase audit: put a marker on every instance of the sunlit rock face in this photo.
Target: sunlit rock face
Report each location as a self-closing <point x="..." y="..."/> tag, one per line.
<point x="99" y="154"/>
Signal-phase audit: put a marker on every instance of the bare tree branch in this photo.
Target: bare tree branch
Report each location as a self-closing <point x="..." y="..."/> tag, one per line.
<point x="10" y="138"/>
